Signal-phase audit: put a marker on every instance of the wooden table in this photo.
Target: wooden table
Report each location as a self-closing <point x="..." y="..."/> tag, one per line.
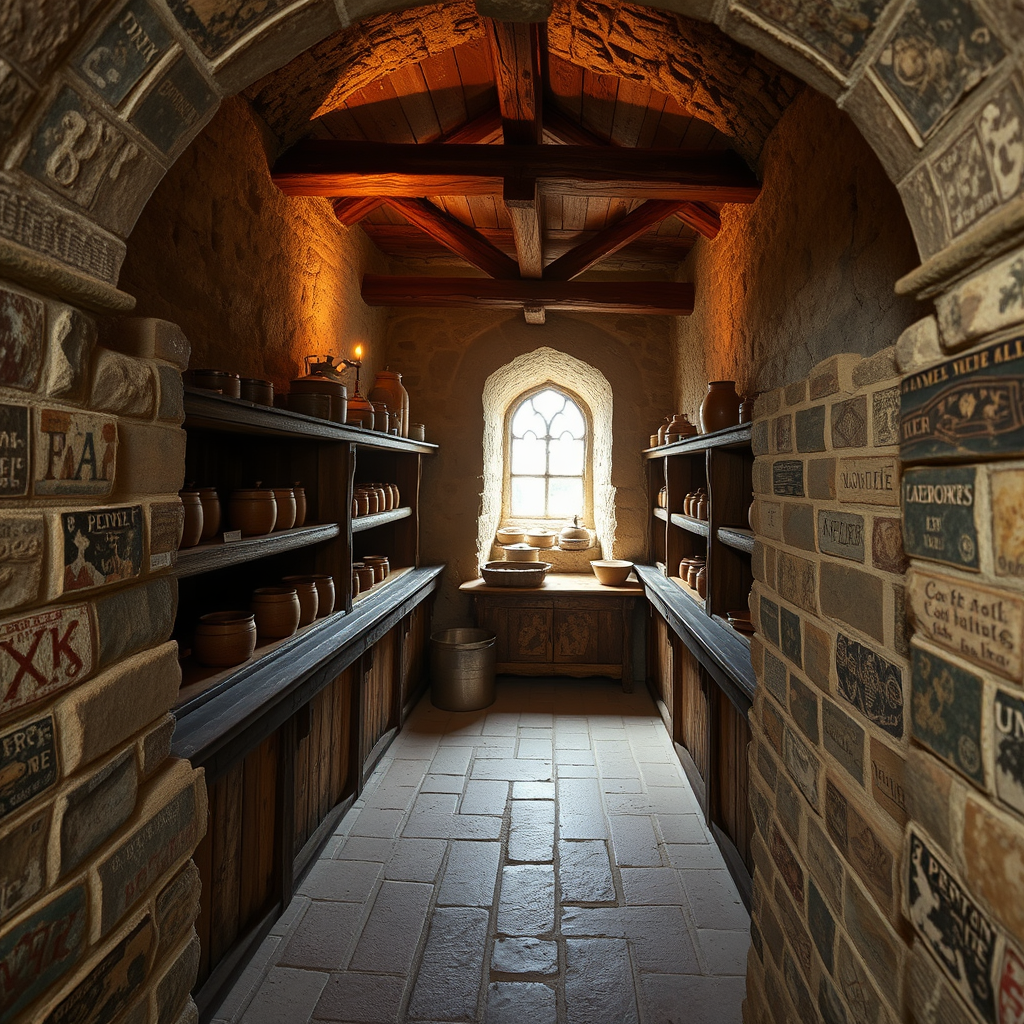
<point x="571" y="625"/>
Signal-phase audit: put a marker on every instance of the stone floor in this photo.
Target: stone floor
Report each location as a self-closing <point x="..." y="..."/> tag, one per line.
<point x="540" y="861"/>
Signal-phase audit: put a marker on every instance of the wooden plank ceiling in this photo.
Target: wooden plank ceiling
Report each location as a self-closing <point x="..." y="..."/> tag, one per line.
<point x="506" y="89"/>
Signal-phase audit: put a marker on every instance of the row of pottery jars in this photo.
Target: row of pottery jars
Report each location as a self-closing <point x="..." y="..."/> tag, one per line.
<point x="368" y="499"/>
<point x="202" y="515"/>
<point x="690" y="569"/>
<point x="675" y="429"/>
<point x="371" y="570"/>
<point x="695" y="504"/>
<point x="261" y="510"/>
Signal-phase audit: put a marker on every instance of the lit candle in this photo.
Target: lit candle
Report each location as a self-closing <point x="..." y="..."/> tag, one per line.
<point x="359" y="352"/>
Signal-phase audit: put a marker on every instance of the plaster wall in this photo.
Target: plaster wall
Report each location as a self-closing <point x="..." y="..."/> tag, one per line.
<point x="804" y="272"/>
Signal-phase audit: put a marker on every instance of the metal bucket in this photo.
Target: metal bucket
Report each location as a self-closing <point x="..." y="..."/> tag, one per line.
<point x="462" y="669"/>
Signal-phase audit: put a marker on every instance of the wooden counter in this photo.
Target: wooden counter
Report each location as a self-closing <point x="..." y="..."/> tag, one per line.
<point x="570" y="625"/>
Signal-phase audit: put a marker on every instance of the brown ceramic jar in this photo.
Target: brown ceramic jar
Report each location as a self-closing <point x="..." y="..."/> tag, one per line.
<point x="210" y="501"/>
<point x="223" y="639"/>
<point x="360" y="412"/>
<point x="325" y="593"/>
<point x="380" y="566"/>
<point x="309" y="600"/>
<point x="286" y="510"/>
<point x="355" y="582"/>
<point x="721" y="406"/>
<point x="367" y="577"/>
<point x="363" y="502"/>
<point x="193" y="528"/>
<point x="300" y="504"/>
<point x="702" y="507"/>
<point x="277" y="612"/>
<point x="253" y="510"/>
<point x="218" y="380"/>
<point x="702" y="581"/>
<point x="381" y="417"/>
<point x="259" y="392"/>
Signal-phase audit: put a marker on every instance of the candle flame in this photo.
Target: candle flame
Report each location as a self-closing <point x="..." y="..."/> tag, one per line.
<point x="359" y="351"/>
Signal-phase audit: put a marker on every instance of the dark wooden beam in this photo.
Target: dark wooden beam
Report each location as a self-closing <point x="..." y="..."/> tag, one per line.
<point x="515" y="60"/>
<point x="522" y="204"/>
<point x="610" y="240"/>
<point x="701" y="217"/>
<point x="455" y="235"/>
<point x="352" y="211"/>
<point x="475" y="131"/>
<point x="646" y="297"/>
<point x="327" y="167"/>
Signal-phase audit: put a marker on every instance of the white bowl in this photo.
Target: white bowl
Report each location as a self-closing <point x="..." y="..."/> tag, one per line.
<point x="521" y="553"/>
<point x="611" y="572"/>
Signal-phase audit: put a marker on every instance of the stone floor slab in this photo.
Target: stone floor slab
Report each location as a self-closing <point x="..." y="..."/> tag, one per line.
<point x="512" y="1002"/>
<point x="450" y="977"/>
<point x="517" y="955"/>
<point x="599" y="982"/>
<point x="286" y="994"/>
<point x="470" y="875"/>
<point x="387" y="944"/>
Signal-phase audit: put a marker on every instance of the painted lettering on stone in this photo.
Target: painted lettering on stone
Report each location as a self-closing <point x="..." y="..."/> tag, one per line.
<point x="76" y="453"/>
<point x="43" y="653"/>
<point x="788" y="477"/>
<point x="873" y="685"/>
<point x="23" y="865"/>
<point x="972" y="404"/>
<point x="14" y="451"/>
<point x="844" y="739"/>
<point x="176" y="105"/>
<point x="870" y="481"/>
<point x="953" y="927"/>
<point x="1007" y="522"/>
<point x="36" y="953"/>
<point x="1008" y="743"/>
<point x="978" y="623"/>
<point x="938" y="515"/>
<point x="101" y="545"/>
<point x="28" y="763"/>
<point x="842" y="534"/>
<point x="887" y="771"/>
<point x="946" y="711"/>
<point x="858" y="843"/>
<point x="21" y="559"/>
<point x="1011" y="986"/>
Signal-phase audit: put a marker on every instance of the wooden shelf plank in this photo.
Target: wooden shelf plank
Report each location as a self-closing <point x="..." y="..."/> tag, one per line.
<point x="697" y="526"/>
<point x="217" y="554"/>
<point x="205" y="410"/>
<point x="737" y="537"/>
<point x="730" y="437"/>
<point x="661" y="513"/>
<point x="361" y="523"/>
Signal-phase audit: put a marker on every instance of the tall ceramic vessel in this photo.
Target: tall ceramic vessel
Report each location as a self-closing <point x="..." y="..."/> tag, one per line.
<point x="388" y="388"/>
<point x="721" y="406"/>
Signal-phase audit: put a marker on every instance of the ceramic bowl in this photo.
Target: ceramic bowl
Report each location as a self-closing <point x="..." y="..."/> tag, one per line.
<point x="508" y="535"/>
<point x="521" y="553"/>
<point x="541" y="538"/>
<point x="223" y="639"/>
<point x="612" y="572"/>
<point x="514" y="574"/>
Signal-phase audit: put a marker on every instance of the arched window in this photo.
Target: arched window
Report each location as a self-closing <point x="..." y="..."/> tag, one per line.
<point x="547" y="456"/>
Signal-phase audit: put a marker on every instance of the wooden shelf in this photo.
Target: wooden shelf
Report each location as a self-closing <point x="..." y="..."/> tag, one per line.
<point x="698" y="526"/>
<point x="217" y="554"/>
<point x="730" y="437"/>
<point x="737" y="537"/>
<point x="661" y="513"/>
<point x="205" y="410"/>
<point x="688" y="590"/>
<point x="361" y="523"/>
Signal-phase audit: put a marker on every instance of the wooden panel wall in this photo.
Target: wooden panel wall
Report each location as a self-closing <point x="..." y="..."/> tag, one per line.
<point x="731" y="808"/>
<point x="693" y="708"/>
<point x="415" y="630"/>
<point x="379" y="711"/>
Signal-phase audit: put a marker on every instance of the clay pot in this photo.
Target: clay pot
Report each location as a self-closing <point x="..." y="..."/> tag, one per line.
<point x="381" y="418"/>
<point x="309" y="600"/>
<point x="682" y="426"/>
<point x="702" y="507"/>
<point x="285" y="498"/>
<point x="355" y="582"/>
<point x="654" y="441"/>
<point x="277" y="611"/>
<point x="260" y="392"/>
<point x="360" y="412"/>
<point x="365" y="574"/>
<point x="253" y="510"/>
<point x="325" y="593"/>
<point x="362" y="501"/>
<point x="210" y="501"/>
<point x="193" y="528"/>
<point x="417" y="432"/>
<point x="218" y="380"/>
<point x="380" y="565"/>
<point x="702" y="582"/>
<point x="577" y="532"/>
<point x="541" y="538"/>
<point x="310" y="404"/>
<point x="663" y="430"/>
<point x="396" y="496"/>
<point x="223" y="639"/>
<point x="314" y="384"/>
<point x="372" y="500"/>
<point x="300" y="504"/>
<point x="388" y="388"/>
<point x="662" y="496"/>
<point x="721" y="406"/>
<point x="747" y="408"/>
<point x="355" y="508"/>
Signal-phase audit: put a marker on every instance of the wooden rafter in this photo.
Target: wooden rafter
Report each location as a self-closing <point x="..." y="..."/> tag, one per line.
<point x="352" y="211"/>
<point x="651" y="297"/>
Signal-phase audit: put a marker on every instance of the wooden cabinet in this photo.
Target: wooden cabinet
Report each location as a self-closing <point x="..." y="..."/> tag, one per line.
<point x="699" y="667"/>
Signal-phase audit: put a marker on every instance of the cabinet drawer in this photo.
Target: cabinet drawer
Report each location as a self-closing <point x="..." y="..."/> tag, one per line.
<point x="588" y="636"/>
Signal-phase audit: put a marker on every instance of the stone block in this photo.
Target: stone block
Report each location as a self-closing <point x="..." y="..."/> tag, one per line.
<point x="870" y="481"/>
<point x="929" y="795"/>
<point x="767" y="404"/>
<point x="929" y="992"/>
<point x="873" y="685"/>
<point x="830" y="1005"/>
<point x="803" y="705"/>
<point x="771" y="722"/>
<point x="771" y="566"/>
<point x="28" y="762"/>
<point x="22" y="559"/>
<point x="22" y="341"/>
<point x="43" y="653"/>
<point x="100" y="546"/>
<point x="103" y="713"/>
<point x="72" y="340"/>
<point x="885" y="417"/>
<point x="980" y="624"/>
<point x="759" y="438"/>
<point x="761" y="477"/>
<point x="858" y="991"/>
<point x="1006" y="488"/>
<point x="95" y="808"/>
<point x="798" y="525"/>
<point x="900" y="623"/>
<point x="166" y="523"/>
<point x="853" y="597"/>
<point x="769" y="519"/>
<point x="810" y="429"/>
<point x="111" y="983"/>
<point x="768" y="620"/>
<point x="766" y="766"/>
<point x="844" y="739"/>
<point x="850" y="423"/>
<point x="170" y="822"/>
<point x="793" y="926"/>
<point x="148" y="338"/>
<point x="172" y="394"/>
<point x="875" y="369"/>
<point x="788" y="477"/>
<point x="841" y="534"/>
<point x="803" y="766"/>
<point x="796" y="393"/>
<point x="939" y="519"/>
<point x="150" y="459"/>
<point x="946" y="710"/>
<point x="882" y="949"/>
<point x="994" y="861"/>
<point x="824" y="864"/>
<point x="817" y="654"/>
<point x="170" y="997"/>
<point x="797" y="989"/>
<point x="833" y="375"/>
<point x="176" y="908"/>
<point x="792" y="647"/>
<point x="888" y="785"/>
<point x="771" y="929"/>
<point x="134" y="618"/>
<point x="23" y="864"/>
<point x="155" y="745"/>
<point x="782" y="433"/>
<point x="887" y="545"/>
<point x="821" y="478"/>
<point x="798" y="581"/>
<point x="918" y="346"/>
<point x="984" y="303"/>
<point x="861" y="845"/>
<point x="760" y="808"/>
<point x="790" y="871"/>
<point x="16" y="443"/>
<point x="789" y="807"/>
<point x="75" y="453"/>
<point x="123" y="385"/>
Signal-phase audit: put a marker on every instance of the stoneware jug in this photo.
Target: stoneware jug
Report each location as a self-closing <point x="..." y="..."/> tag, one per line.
<point x="721" y="406"/>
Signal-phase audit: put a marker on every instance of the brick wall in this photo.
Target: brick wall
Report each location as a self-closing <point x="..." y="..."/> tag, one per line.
<point x="97" y="822"/>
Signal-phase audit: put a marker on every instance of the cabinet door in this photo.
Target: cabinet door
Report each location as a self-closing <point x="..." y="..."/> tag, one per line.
<point x="588" y="636"/>
<point x="522" y="627"/>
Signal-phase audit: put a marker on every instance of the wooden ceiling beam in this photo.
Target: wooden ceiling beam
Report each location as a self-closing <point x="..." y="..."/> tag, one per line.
<point x="454" y="235"/>
<point x="351" y="211"/>
<point x="475" y="131"/>
<point x="647" y="297"/>
<point x="610" y="240"/>
<point x="327" y="167"/>
<point x="515" y="59"/>
<point x="522" y="204"/>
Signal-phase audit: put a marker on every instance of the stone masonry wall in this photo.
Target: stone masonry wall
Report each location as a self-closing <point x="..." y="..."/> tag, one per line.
<point x="97" y="822"/>
<point x="829" y="723"/>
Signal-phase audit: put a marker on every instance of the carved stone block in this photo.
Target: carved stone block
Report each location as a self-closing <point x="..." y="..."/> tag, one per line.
<point x="1007" y="492"/>
<point x="72" y="339"/>
<point x="22" y="550"/>
<point x="23" y="866"/>
<point x="870" y="481"/>
<point x="871" y="684"/>
<point x="101" y="545"/>
<point x="938" y="515"/>
<point x="844" y="739"/>
<point x="22" y="346"/>
<point x="15" y="451"/>
<point x="925" y="210"/>
<point x="176" y="106"/>
<point x="215" y="28"/>
<point x="850" y="423"/>
<point x="887" y="545"/>
<point x="788" y="477"/>
<point x="76" y="452"/>
<point x="885" y="416"/>
<point x="28" y="763"/>
<point x="842" y="534"/>
<point x="1008" y="748"/>
<point x="887" y="787"/>
<point x="983" y="304"/>
<point x="803" y="766"/>
<point x="859" y="844"/>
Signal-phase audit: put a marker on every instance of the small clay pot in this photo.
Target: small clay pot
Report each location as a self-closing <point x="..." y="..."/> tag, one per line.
<point x="747" y="409"/>
<point x="218" y="380"/>
<point x="417" y="432"/>
<point x="300" y="504"/>
<point x="210" y="501"/>
<point x="396" y="497"/>
<point x="380" y="565"/>
<point x="193" y="528"/>
<point x="389" y="496"/>
<point x="662" y="496"/>
<point x="286" y="510"/>
<point x="260" y="392"/>
<point x="362" y="501"/>
<point x="702" y="581"/>
<point x="381" y="417"/>
<point x="253" y="510"/>
<point x="223" y="639"/>
<point x="355" y="582"/>
<point x="663" y="430"/>
<point x="382" y="497"/>
<point x="277" y="611"/>
<point x="360" y="412"/>
<point x="702" y="507"/>
<point x="372" y="501"/>
<point x="325" y="593"/>
<point x="309" y="599"/>
<point x="367" y="577"/>
<point x="310" y="404"/>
